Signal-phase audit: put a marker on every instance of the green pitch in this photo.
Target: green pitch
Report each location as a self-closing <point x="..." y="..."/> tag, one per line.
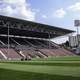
<point x="56" y="68"/>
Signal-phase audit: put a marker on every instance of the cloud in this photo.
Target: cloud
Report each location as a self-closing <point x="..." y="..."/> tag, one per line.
<point x="60" y="13"/>
<point x="75" y="7"/>
<point x="17" y="8"/>
<point x="44" y="16"/>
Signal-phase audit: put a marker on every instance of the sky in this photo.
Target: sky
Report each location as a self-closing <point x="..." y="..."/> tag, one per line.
<point x="59" y="13"/>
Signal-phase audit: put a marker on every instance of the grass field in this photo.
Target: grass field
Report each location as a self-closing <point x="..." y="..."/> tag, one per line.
<point x="56" y="68"/>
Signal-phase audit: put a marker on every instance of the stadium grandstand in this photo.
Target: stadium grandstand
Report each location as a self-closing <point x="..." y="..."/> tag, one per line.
<point x="24" y="40"/>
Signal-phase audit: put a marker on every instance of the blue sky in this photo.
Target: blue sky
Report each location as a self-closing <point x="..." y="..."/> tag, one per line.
<point x="60" y="13"/>
<point x="49" y="10"/>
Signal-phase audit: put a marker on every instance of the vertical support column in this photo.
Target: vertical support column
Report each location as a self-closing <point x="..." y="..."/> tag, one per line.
<point x="49" y="41"/>
<point x="8" y="39"/>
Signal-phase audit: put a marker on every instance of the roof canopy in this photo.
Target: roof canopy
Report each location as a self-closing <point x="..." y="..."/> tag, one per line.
<point x="29" y="28"/>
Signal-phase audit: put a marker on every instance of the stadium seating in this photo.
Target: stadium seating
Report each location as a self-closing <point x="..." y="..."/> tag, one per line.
<point x="30" y="48"/>
<point x="11" y="54"/>
<point x="23" y="40"/>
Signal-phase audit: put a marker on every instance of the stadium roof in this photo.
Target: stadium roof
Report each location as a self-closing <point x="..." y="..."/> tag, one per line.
<point x="30" y="29"/>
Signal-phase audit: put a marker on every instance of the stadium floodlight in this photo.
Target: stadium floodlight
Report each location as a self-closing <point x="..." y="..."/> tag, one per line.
<point x="77" y="24"/>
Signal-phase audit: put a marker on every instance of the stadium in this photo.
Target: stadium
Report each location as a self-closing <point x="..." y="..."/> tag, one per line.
<point x="27" y="52"/>
<point x="20" y="39"/>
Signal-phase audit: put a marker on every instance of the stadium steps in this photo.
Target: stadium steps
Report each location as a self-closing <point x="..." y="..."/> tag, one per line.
<point x="25" y="54"/>
<point x="38" y="53"/>
<point x="2" y="56"/>
<point x="68" y="52"/>
<point x="58" y="52"/>
<point x="61" y="52"/>
<point x="21" y="53"/>
<point x="29" y="53"/>
<point x="44" y="52"/>
<point x="11" y="54"/>
<point x="49" y="52"/>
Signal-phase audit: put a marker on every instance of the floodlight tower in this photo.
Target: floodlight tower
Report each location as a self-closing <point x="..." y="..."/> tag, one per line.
<point x="77" y="24"/>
